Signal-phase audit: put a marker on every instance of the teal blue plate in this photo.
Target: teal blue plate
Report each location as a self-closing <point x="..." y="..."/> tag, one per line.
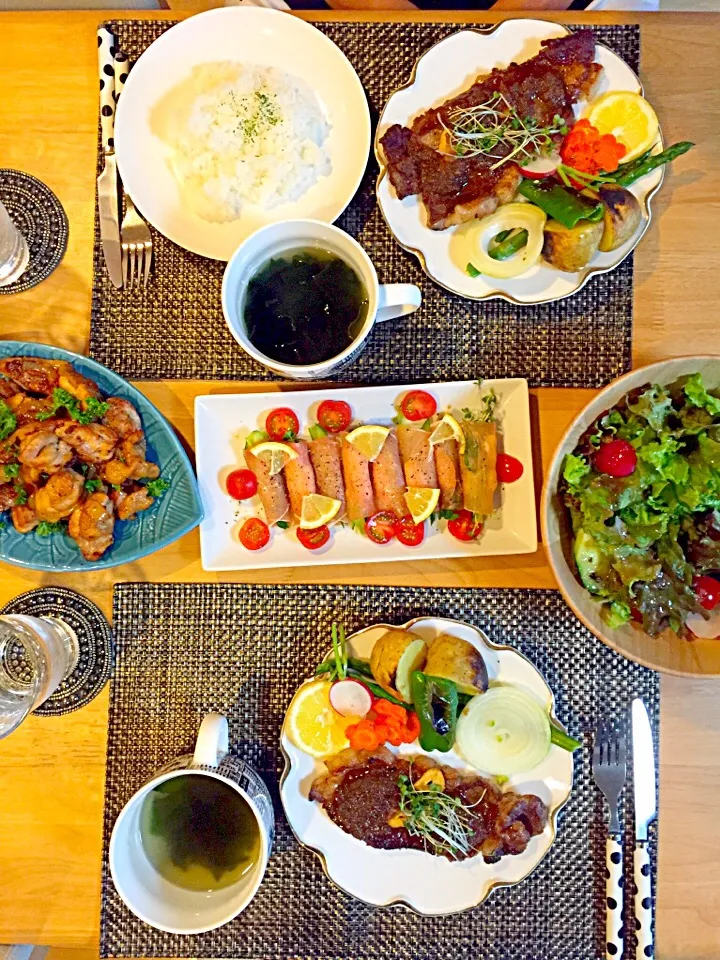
<point x="173" y="514"/>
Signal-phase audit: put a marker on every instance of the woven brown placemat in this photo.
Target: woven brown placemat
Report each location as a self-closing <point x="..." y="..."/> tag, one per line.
<point x="175" y="329"/>
<point x="242" y="649"/>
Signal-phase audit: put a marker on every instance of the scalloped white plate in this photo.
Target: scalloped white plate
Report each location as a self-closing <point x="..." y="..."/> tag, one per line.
<point x="429" y="885"/>
<point x="447" y="69"/>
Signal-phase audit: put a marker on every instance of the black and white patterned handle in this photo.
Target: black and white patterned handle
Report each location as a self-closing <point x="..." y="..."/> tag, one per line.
<point x="122" y="66"/>
<point x="106" y="64"/>
<point x="643" y="902"/>
<point x="614" y="899"/>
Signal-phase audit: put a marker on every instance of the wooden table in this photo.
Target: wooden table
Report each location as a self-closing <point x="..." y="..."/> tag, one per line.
<point x="52" y="770"/>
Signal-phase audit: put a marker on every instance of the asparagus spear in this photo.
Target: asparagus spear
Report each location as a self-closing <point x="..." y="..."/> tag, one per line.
<point x="638" y="168"/>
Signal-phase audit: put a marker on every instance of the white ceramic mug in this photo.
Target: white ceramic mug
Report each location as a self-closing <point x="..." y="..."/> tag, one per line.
<point x="385" y="301"/>
<point x="157" y="901"/>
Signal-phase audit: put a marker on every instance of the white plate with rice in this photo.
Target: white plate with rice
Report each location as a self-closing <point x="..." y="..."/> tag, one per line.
<point x="236" y="118"/>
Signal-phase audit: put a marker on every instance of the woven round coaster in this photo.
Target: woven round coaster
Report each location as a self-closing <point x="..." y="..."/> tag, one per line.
<point x="39" y="216"/>
<point x="94" y="640"/>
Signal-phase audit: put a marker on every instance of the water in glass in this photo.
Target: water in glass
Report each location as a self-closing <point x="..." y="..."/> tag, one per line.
<point x="36" y="654"/>
<point x="14" y="253"/>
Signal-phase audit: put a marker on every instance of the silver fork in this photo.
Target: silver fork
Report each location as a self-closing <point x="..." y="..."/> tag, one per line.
<point x="609" y="767"/>
<point x="137" y="246"/>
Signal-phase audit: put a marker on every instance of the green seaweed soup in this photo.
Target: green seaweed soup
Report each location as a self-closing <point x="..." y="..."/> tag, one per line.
<point x="305" y="307"/>
<point x="199" y="833"/>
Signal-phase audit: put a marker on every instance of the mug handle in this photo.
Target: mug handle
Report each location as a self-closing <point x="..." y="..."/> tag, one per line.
<point x="212" y="741"/>
<point x="397" y="300"/>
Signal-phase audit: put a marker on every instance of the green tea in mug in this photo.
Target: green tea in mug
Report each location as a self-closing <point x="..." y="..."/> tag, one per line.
<point x="199" y="833"/>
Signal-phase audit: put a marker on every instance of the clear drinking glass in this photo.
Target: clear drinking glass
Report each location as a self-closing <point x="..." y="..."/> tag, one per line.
<point x="14" y="253"/>
<point x="36" y="654"/>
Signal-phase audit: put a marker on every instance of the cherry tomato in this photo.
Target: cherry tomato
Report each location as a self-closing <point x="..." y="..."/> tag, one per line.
<point x="254" y="533"/>
<point x="509" y="469"/>
<point x="241" y="484"/>
<point x="409" y="532"/>
<point x="617" y="458"/>
<point x="282" y="422"/>
<point x="418" y="405"/>
<point x="380" y="528"/>
<point x="707" y="590"/>
<point x="334" y="415"/>
<point x="314" y="539"/>
<point x="464" y="527"/>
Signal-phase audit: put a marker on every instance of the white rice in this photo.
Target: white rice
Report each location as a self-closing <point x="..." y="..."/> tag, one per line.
<point x="243" y="135"/>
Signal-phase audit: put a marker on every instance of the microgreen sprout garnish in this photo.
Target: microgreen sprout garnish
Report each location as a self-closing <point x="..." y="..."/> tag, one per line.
<point x="496" y="130"/>
<point x="443" y="822"/>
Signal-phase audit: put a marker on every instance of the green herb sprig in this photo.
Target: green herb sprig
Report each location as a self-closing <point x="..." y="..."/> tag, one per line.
<point x="496" y="130"/>
<point x="93" y="410"/>
<point x="443" y="822"/>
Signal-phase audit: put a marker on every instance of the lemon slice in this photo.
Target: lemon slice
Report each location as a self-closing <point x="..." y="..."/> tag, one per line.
<point x="448" y="429"/>
<point x="369" y="439"/>
<point x="421" y="501"/>
<point x="311" y="722"/>
<point x="274" y="455"/>
<point x="318" y="510"/>
<point x="628" y="117"/>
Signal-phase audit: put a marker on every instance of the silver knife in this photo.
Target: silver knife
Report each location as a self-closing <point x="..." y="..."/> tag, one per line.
<point x="645" y="812"/>
<point x="107" y="183"/>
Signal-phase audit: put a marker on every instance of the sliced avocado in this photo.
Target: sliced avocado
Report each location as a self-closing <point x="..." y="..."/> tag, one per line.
<point x="593" y="566"/>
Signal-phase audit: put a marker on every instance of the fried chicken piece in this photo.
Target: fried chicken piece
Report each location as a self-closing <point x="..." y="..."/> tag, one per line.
<point x="130" y="462"/>
<point x="93" y="442"/>
<point x="122" y="417"/>
<point x="27" y="408"/>
<point x="91" y="525"/>
<point x="31" y="373"/>
<point x="7" y="495"/>
<point x="59" y="497"/>
<point x="128" y="504"/>
<point x="7" y="388"/>
<point x="41" y="449"/>
<point x="75" y="383"/>
<point x="24" y="518"/>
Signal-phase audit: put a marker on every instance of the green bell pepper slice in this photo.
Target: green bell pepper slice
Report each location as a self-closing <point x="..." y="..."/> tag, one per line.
<point x="436" y="703"/>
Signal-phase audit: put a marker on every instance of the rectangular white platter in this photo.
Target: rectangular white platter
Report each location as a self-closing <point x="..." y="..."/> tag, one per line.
<point x="223" y="422"/>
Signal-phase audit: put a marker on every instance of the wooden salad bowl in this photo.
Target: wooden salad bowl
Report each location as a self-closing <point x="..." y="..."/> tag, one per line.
<point x="667" y="652"/>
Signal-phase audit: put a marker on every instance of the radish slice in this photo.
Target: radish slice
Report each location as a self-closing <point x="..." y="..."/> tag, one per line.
<point x="541" y="167"/>
<point x="350" y="698"/>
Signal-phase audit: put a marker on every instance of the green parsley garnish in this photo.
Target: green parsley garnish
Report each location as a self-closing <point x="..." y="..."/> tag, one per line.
<point x="283" y="524"/>
<point x="156" y="488"/>
<point x="11" y="470"/>
<point x="8" y="421"/>
<point x="93" y="410"/>
<point x="21" y="495"/>
<point x="93" y="484"/>
<point x="47" y="529"/>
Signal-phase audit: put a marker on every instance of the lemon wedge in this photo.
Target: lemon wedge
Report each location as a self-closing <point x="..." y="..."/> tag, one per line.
<point x="421" y="501"/>
<point x="274" y="455"/>
<point x="369" y="439"/>
<point x="628" y="117"/>
<point x="448" y="429"/>
<point x="311" y="722"/>
<point x="318" y="510"/>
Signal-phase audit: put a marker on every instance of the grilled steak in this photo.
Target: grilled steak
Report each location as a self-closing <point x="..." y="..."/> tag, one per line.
<point x="360" y="793"/>
<point x="456" y="189"/>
